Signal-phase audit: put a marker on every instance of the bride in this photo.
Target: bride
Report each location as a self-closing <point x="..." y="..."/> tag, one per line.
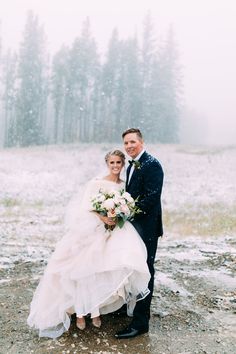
<point x="92" y="271"/>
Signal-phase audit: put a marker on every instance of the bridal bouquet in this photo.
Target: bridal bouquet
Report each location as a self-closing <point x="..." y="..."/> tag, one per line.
<point x="118" y="205"/>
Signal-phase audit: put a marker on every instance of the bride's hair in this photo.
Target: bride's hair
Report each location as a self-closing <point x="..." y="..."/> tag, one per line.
<point x="115" y="153"/>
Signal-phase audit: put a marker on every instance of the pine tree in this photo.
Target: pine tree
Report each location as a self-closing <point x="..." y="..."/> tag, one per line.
<point x="1" y="114"/>
<point x="83" y="73"/>
<point x="111" y="86"/>
<point x="127" y="88"/>
<point x="31" y="85"/>
<point x="95" y="111"/>
<point x="148" y="58"/>
<point x="59" y="88"/>
<point x="170" y="89"/>
<point x="9" y="63"/>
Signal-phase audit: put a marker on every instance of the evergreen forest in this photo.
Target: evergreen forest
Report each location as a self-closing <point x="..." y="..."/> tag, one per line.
<point x="79" y="95"/>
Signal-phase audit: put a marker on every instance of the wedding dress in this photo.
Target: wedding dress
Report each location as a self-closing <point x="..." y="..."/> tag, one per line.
<point x="92" y="270"/>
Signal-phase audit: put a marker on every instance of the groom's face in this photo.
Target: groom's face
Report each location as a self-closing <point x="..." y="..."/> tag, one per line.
<point x="133" y="144"/>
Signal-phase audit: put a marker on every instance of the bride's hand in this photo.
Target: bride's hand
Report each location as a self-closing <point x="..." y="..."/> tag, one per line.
<point x="107" y="220"/>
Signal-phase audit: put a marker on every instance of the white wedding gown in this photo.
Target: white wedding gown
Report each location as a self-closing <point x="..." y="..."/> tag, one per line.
<point x="91" y="270"/>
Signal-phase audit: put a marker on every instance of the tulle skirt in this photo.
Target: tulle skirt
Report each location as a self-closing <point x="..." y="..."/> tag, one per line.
<point x="95" y="274"/>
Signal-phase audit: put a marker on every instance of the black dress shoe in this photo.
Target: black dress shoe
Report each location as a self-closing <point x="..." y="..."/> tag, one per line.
<point x="130" y="332"/>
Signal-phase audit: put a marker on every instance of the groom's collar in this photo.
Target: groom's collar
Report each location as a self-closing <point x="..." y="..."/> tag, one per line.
<point x="139" y="155"/>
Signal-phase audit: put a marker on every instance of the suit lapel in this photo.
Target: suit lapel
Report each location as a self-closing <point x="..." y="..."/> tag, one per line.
<point x="141" y="160"/>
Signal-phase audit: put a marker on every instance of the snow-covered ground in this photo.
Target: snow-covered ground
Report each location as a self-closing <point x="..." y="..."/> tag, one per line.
<point x="193" y="175"/>
<point x="195" y="259"/>
<point x="38" y="183"/>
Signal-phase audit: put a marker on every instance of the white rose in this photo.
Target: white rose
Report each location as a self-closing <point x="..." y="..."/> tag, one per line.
<point x="119" y="200"/>
<point x="128" y="197"/>
<point x="116" y="194"/>
<point x="101" y="198"/>
<point x="122" y="201"/>
<point x="108" y="204"/>
<point x="116" y="199"/>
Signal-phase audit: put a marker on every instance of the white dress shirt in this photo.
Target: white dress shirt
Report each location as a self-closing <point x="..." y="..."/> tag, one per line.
<point x="132" y="167"/>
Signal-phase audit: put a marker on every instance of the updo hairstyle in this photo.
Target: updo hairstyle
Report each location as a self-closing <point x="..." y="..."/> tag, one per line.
<point x="115" y="153"/>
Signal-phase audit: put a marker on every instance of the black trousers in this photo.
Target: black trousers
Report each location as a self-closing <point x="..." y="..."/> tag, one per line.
<point x="141" y="313"/>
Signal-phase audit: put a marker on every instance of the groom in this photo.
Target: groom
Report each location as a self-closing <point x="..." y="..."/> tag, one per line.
<point x="144" y="181"/>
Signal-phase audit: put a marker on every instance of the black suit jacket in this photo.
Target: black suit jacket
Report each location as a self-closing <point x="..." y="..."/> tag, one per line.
<point x="146" y="185"/>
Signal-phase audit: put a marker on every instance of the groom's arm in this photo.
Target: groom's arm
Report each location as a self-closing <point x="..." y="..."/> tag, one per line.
<point x="152" y="187"/>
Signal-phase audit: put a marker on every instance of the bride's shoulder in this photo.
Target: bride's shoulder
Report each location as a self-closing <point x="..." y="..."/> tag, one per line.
<point x="92" y="186"/>
<point x="94" y="181"/>
<point x="97" y="181"/>
<point x="103" y="183"/>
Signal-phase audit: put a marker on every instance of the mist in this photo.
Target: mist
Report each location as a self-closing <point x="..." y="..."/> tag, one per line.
<point x="206" y="45"/>
<point x="69" y="85"/>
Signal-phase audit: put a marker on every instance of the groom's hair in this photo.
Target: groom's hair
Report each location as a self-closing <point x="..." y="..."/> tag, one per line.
<point x="132" y="130"/>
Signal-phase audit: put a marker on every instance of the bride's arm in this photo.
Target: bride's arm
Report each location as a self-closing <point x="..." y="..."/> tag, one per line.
<point x="93" y="188"/>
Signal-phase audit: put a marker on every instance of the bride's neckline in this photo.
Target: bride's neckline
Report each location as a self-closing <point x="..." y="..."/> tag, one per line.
<point x="107" y="180"/>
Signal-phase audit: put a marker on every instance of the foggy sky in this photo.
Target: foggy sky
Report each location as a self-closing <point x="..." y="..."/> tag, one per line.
<point x="205" y="31"/>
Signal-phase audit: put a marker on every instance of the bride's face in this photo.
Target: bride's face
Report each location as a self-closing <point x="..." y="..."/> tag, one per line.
<point x="115" y="164"/>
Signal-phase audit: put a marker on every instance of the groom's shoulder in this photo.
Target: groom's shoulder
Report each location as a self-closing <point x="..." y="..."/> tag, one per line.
<point x="150" y="160"/>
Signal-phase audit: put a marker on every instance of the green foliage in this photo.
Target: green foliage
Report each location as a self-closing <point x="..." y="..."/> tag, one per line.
<point x="206" y="219"/>
<point x="10" y="202"/>
<point x="120" y="222"/>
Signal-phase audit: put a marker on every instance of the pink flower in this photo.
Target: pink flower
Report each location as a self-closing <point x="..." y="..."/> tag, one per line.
<point x="111" y="213"/>
<point x="124" y="209"/>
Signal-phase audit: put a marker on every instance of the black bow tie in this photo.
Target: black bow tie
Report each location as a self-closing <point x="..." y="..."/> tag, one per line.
<point x="132" y="162"/>
<point x="135" y="163"/>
